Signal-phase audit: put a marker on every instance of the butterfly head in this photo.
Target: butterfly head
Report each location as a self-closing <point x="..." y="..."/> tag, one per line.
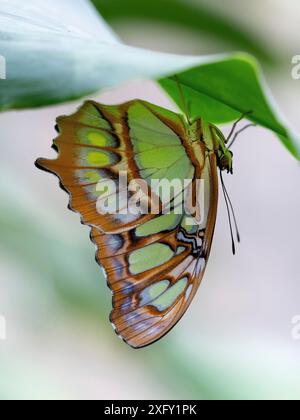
<point x="223" y="153"/>
<point x="225" y="160"/>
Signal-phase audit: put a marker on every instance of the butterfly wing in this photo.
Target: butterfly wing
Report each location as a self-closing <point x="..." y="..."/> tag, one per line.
<point x="153" y="264"/>
<point x="154" y="271"/>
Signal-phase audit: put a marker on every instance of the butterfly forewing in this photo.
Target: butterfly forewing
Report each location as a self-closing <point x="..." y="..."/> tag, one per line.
<point x="154" y="263"/>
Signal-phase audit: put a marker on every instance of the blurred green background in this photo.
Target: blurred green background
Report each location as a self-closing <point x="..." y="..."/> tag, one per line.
<point x="236" y="340"/>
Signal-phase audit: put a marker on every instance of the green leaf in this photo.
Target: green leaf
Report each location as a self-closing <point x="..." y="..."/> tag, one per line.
<point x="50" y="61"/>
<point x="189" y="16"/>
<point x="223" y="91"/>
<point x="52" y="51"/>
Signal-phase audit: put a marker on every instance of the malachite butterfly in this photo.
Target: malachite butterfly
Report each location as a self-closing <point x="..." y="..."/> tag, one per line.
<point x="154" y="263"/>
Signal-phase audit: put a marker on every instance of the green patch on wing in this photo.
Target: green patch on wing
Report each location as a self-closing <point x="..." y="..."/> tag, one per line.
<point x="167" y="299"/>
<point x="94" y="137"/>
<point x="159" y="152"/>
<point x="156" y="146"/>
<point x="90" y="115"/>
<point x="153" y="292"/>
<point x="149" y="257"/>
<point x="189" y="225"/>
<point x="88" y="176"/>
<point x="97" y="158"/>
<point x="160" y="224"/>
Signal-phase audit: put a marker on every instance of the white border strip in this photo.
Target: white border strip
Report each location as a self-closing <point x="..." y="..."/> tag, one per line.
<point x="2" y="68"/>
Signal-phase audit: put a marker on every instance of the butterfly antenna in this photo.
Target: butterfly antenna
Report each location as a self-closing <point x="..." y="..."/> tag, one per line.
<point x="229" y="207"/>
<point x="230" y="222"/>
<point x="238" y="133"/>
<point x="236" y="124"/>
<point x="186" y="105"/>
<point x="232" y="211"/>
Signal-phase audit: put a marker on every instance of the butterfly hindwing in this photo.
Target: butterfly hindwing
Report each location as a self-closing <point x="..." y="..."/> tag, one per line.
<point x="154" y="263"/>
<point x="155" y="277"/>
